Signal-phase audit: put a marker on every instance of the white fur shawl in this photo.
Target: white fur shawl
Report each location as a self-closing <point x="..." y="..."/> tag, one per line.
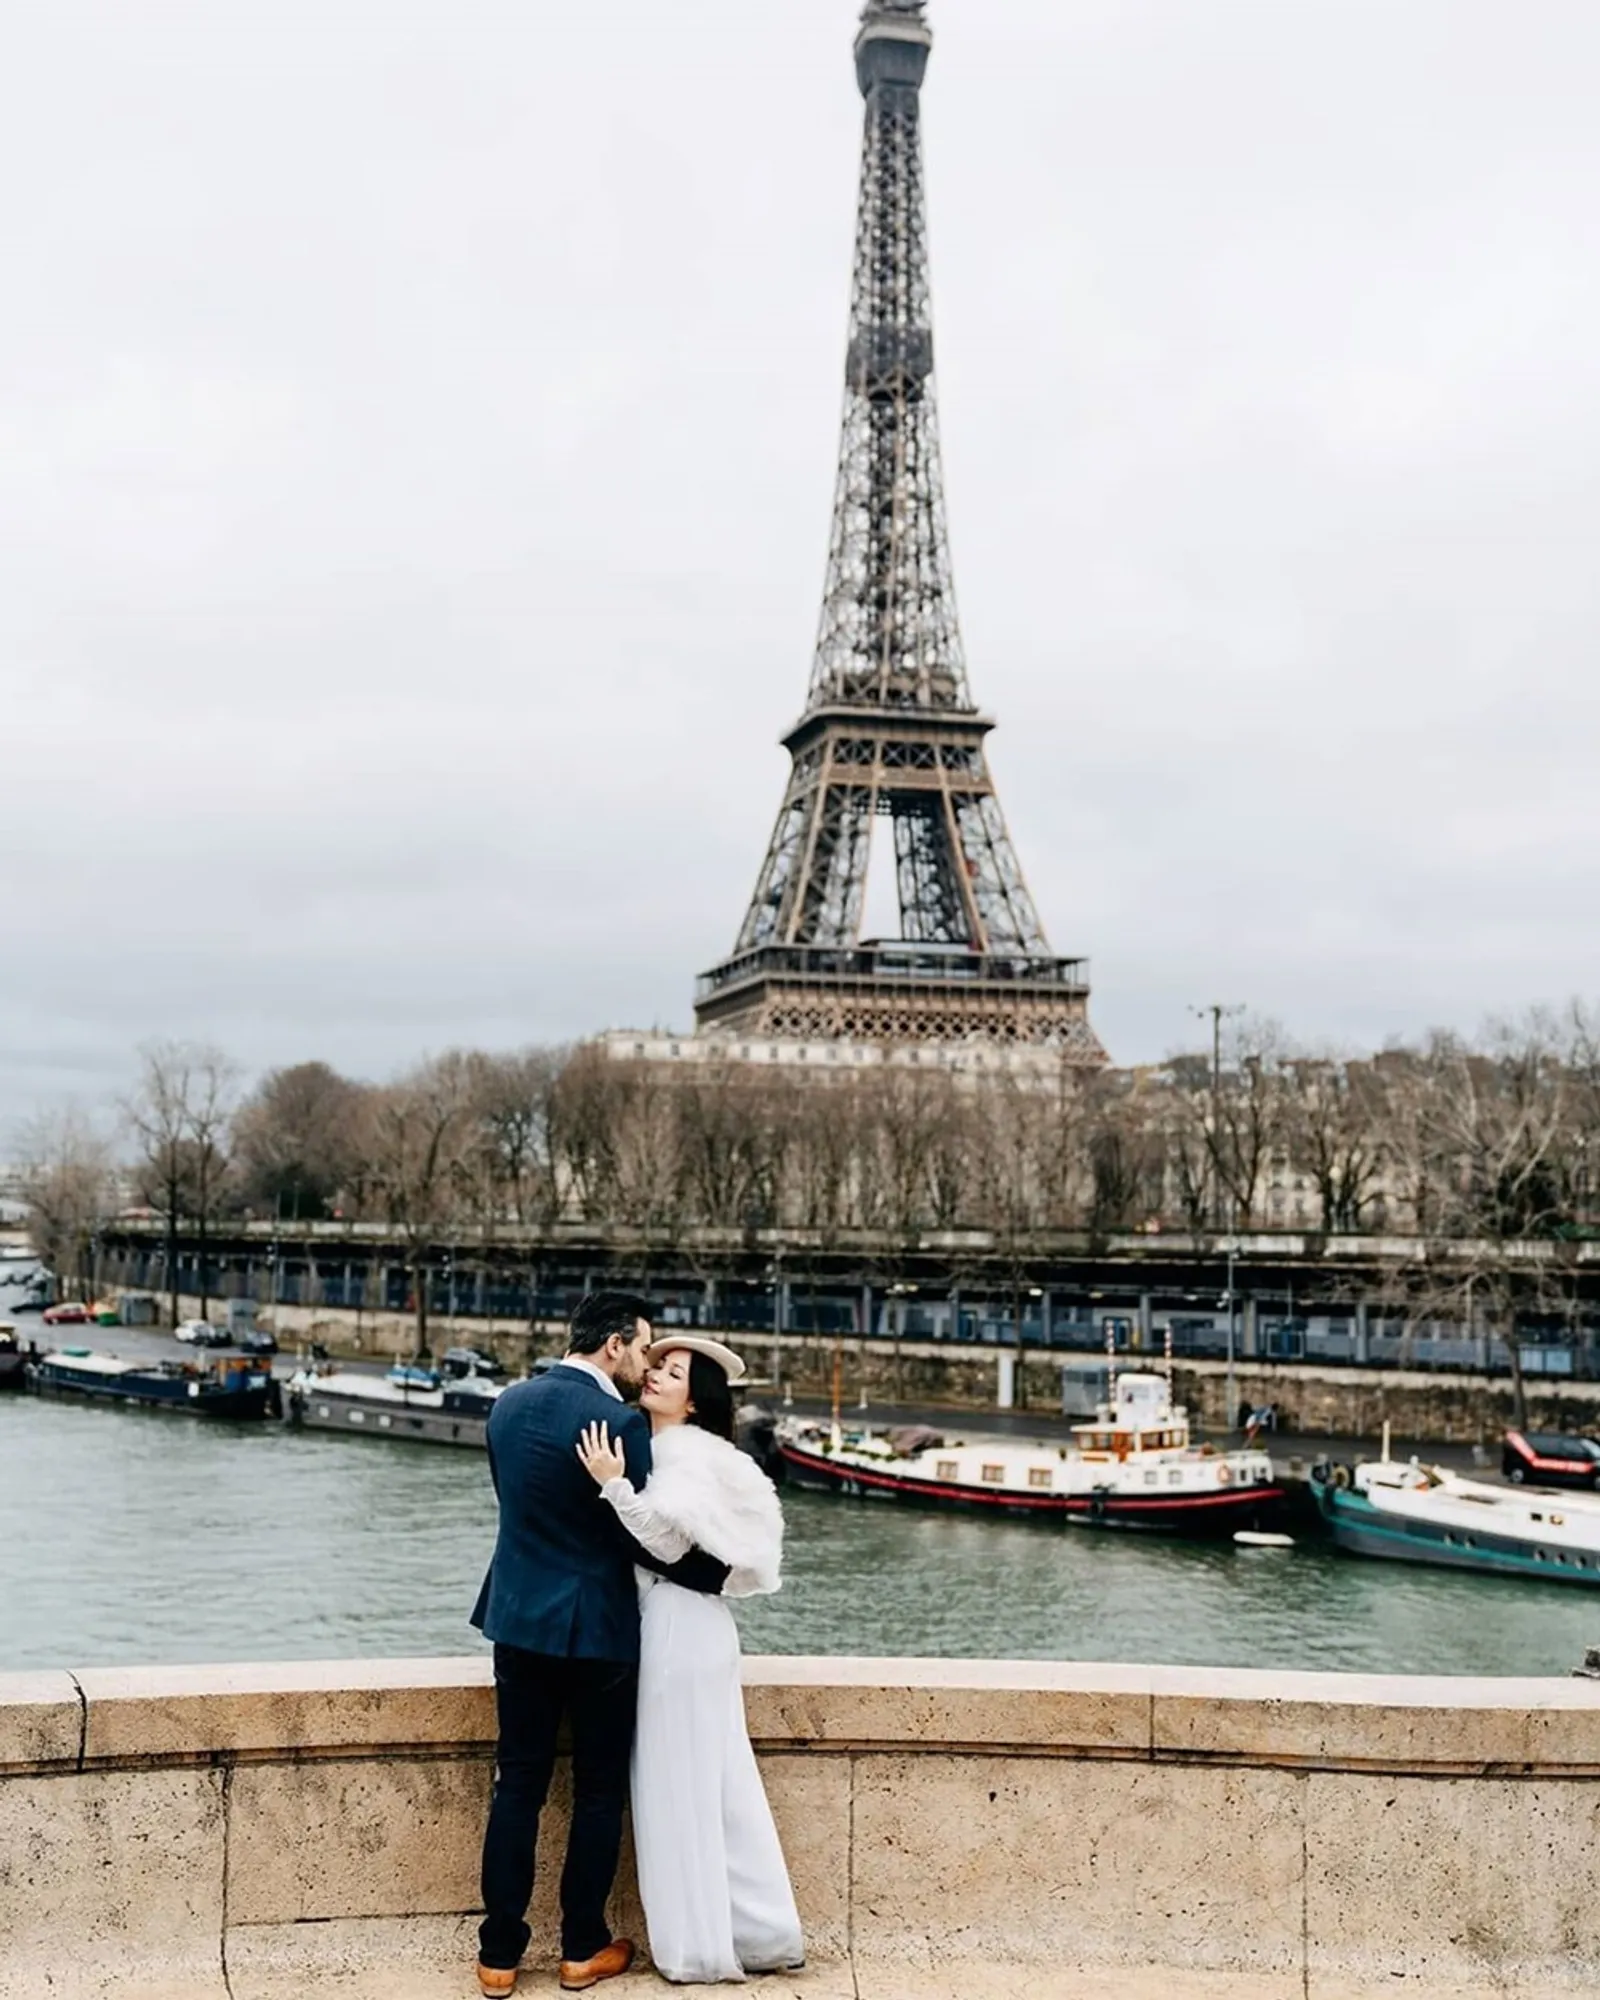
<point x="721" y="1498"/>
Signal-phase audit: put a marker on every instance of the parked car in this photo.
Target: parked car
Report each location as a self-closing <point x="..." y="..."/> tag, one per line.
<point x="1550" y="1458"/>
<point x="459" y="1361"/>
<point x="258" y="1341"/>
<point x="71" y="1312"/>
<point x="201" y="1333"/>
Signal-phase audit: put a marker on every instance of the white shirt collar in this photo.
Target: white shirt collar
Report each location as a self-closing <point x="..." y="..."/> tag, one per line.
<point x="599" y="1374"/>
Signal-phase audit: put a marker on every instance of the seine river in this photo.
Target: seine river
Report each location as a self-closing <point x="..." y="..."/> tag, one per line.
<point x="129" y="1536"/>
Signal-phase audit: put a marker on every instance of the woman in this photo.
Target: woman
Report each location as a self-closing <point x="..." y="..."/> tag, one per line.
<point x="716" y="1892"/>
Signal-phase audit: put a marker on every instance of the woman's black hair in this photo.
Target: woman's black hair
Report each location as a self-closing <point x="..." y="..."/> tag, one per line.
<point x="710" y="1398"/>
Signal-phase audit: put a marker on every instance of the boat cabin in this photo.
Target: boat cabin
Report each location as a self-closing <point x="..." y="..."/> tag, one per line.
<point x="1140" y="1418"/>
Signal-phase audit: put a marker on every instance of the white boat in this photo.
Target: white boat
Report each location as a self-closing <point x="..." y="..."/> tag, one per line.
<point x="1422" y="1513"/>
<point x="1133" y="1465"/>
<point x="336" y="1399"/>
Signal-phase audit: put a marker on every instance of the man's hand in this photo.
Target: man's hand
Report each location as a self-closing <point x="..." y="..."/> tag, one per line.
<point x="599" y="1457"/>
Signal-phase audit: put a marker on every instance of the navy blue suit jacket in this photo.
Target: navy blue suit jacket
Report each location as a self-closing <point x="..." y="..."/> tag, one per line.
<point x="561" y="1579"/>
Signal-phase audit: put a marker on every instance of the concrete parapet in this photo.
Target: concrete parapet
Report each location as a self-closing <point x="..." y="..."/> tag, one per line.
<point x="954" y="1827"/>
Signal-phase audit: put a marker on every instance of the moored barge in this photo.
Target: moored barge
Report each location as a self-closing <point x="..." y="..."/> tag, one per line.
<point x="1424" y="1514"/>
<point x="411" y="1403"/>
<point x="1133" y="1466"/>
<point x="234" y="1388"/>
<point x="13" y="1362"/>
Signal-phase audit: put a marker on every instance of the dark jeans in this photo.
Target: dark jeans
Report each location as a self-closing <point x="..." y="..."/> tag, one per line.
<point x="533" y="1691"/>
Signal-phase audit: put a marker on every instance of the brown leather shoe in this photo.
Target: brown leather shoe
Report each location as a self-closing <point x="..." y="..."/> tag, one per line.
<point x="577" y="1975"/>
<point x="495" y="1984"/>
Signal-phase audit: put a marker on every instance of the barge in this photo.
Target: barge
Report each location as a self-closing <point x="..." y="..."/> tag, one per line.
<point x="1424" y="1514"/>
<point x="1133" y="1466"/>
<point x="13" y="1361"/>
<point x="234" y="1389"/>
<point x="412" y="1403"/>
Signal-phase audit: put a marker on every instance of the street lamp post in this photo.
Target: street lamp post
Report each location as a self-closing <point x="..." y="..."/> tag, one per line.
<point x="1231" y="1411"/>
<point x="776" y="1275"/>
<point x="1215" y="1012"/>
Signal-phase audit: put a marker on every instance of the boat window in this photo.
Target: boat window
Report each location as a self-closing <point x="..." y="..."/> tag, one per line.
<point x="1174" y="1477"/>
<point x="946" y="1469"/>
<point x="1040" y="1475"/>
<point x="1151" y="1478"/>
<point x="1535" y="1516"/>
<point x="994" y="1475"/>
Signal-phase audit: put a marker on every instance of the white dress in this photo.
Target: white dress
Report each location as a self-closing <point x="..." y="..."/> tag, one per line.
<point x="715" y="1888"/>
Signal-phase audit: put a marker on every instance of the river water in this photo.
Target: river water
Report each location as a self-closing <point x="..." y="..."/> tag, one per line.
<point x="130" y="1537"/>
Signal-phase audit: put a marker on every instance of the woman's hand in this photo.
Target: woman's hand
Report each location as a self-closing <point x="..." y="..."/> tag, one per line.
<point x="598" y="1456"/>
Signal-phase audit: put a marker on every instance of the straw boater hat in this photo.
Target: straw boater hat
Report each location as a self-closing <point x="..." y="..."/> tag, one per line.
<point x="731" y="1364"/>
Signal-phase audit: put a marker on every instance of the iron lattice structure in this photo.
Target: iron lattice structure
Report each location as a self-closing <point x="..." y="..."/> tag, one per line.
<point x="890" y="730"/>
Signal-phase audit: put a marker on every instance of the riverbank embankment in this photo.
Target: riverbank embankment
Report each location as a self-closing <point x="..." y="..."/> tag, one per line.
<point x="1313" y="1400"/>
<point x="954" y="1827"/>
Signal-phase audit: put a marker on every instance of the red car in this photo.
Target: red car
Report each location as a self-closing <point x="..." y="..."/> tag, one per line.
<point x="1550" y="1458"/>
<point x="71" y="1312"/>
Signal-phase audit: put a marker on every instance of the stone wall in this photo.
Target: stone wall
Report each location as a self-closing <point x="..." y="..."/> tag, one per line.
<point x="954" y="1828"/>
<point x="1314" y="1398"/>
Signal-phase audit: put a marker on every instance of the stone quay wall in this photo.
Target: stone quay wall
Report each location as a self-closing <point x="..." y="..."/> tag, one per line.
<point x="954" y="1828"/>
<point x="1313" y="1399"/>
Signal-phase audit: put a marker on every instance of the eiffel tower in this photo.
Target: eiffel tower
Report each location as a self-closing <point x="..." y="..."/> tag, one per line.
<point x="890" y="731"/>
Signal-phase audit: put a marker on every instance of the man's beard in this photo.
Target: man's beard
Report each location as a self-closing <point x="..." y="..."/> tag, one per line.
<point x="629" y="1391"/>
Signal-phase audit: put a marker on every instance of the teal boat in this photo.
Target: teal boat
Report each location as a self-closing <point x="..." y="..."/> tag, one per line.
<point x="1420" y="1513"/>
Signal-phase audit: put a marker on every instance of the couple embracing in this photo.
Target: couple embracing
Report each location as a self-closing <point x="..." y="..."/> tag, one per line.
<point x="623" y="1531"/>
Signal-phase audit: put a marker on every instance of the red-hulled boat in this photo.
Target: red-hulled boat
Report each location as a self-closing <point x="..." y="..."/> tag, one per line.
<point x="1133" y="1466"/>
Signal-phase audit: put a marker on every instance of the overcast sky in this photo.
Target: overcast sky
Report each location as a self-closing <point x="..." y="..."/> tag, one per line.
<point x="417" y="439"/>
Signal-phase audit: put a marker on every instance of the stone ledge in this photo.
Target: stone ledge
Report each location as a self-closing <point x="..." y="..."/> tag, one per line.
<point x="291" y="1711"/>
<point x="41" y="1721"/>
<point x="954" y="1828"/>
<point x="281" y="1708"/>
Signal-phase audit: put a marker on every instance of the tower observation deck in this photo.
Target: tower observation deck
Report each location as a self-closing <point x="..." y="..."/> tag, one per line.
<point x="890" y="733"/>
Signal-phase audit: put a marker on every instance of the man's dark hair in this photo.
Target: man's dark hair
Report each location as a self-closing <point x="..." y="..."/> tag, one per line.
<point x="595" y="1318"/>
<point x="710" y="1398"/>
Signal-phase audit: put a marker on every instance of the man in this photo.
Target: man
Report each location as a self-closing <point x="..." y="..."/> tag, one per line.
<point x="561" y="1605"/>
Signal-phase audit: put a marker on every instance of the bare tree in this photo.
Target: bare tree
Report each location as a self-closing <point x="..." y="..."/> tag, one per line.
<point x="513" y="1103"/>
<point x="1481" y="1125"/>
<point x="67" y="1184"/>
<point x="1334" y="1117"/>
<point x="180" y="1115"/>
<point x="1018" y="1133"/>
<point x="1248" y="1114"/>
<point x="730" y="1139"/>
<point x="1123" y="1150"/>
<point x="417" y="1134"/>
